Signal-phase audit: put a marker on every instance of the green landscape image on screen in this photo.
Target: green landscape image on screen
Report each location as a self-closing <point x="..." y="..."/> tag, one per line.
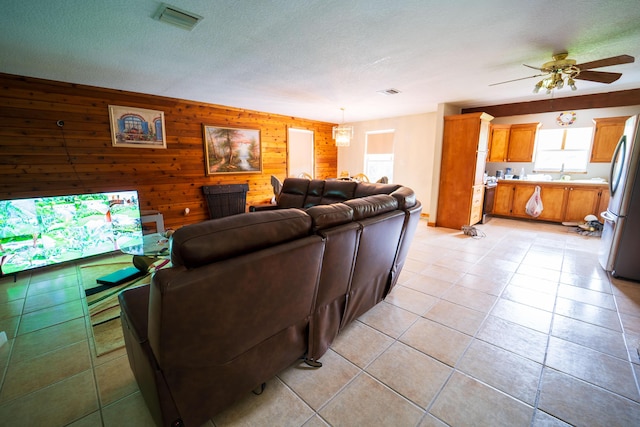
<point x="49" y="230"/>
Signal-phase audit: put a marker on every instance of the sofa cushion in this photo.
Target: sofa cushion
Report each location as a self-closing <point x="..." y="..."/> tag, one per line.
<point x="338" y="191"/>
<point x="369" y="206"/>
<point x="370" y="188"/>
<point x="293" y="193"/>
<point x="215" y="240"/>
<point x="326" y="216"/>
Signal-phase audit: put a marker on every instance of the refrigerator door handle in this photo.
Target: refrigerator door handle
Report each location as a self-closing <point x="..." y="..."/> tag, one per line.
<point x="617" y="164"/>
<point x="608" y="216"/>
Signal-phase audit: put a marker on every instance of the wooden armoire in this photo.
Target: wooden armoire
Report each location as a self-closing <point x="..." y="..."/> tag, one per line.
<point x="464" y="155"/>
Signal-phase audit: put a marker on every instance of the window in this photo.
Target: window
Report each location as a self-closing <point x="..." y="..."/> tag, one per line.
<point x="563" y="150"/>
<point x="378" y="158"/>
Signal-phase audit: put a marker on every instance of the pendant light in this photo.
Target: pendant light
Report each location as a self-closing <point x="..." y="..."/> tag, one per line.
<point x="342" y="134"/>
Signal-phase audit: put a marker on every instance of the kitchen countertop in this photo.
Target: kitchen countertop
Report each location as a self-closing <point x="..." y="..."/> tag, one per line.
<point x="586" y="182"/>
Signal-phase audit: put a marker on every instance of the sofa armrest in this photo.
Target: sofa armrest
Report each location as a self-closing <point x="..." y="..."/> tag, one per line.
<point x="406" y="198"/>
<point x="134" y="304"/>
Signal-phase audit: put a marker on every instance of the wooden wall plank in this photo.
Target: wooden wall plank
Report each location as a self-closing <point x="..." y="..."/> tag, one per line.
<point x="38" y="158"/>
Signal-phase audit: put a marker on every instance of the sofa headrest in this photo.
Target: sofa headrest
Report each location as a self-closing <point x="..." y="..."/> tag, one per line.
<point x="314" y="192"/>
<point x="369" y="206"/>
<point x="406" y="198"/>
<point x="370" y="188"/>
<point x="326" y="216"/>
<point x="222" y="238"/>
<point x="293" y="193"/>
<point x="338" y="191"/>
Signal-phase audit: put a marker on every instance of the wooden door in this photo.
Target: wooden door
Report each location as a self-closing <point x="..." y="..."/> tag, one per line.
<point x="580" y="203"/>
<point x="552" y="202"/>
<point x="502" y="199"/>
<point x="498" y="143"/>
<point x="522" y="138"/>
<point x="521" y="196"/>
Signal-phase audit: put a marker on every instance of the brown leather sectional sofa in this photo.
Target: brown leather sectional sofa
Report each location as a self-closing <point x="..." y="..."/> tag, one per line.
<point x="248" y="295"/>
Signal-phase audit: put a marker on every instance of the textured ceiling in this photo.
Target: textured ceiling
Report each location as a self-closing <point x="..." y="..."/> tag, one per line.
<point x="310" y="58"/>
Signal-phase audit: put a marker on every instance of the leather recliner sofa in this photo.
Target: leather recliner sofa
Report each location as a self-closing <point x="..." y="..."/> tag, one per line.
<point x="305" y="194"/>
<point x="248" y="295"/>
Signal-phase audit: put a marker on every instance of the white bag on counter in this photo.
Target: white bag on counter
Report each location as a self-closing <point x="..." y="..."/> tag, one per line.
<point x="534" y="205"/>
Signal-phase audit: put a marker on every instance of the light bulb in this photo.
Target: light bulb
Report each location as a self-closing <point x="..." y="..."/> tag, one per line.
<point x="537" y="87"/>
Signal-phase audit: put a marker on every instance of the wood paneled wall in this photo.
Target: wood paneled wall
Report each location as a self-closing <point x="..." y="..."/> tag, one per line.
<point x="39" y="158"/>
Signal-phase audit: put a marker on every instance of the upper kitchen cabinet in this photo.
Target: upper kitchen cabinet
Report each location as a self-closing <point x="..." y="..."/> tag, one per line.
<point x="522" y="138"/>
<point x="464" y="154"/>
<point x="498" y="143"/>
<point x="512" y="143"/>
<point x="605" y="138"/>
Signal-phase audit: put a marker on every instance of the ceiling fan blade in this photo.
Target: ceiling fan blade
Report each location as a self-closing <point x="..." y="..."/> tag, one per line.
<point x="598" y="76"/>
<point x="535" y="68"/>
<point x="515" y="80"/>
<point x="606" y="62"/>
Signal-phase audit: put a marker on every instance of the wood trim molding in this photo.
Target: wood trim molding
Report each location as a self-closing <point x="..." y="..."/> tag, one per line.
<point x="584" y="102"/>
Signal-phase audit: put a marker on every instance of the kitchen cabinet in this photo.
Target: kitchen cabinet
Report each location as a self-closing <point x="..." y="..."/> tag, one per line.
<point x="606" y="135"/>
<point x="511" y="200"/>
<point x="503" y="199"/>
<point x="581" y="202"/>
<point x="464" y="154"/>
<point x="561" y="202"/>
<point x="521" y="195"/>
<point x="553" y="203"/>
<point x="498" y="143"/>
<point x="522" y="138"/>
<point x="476" y="204"/>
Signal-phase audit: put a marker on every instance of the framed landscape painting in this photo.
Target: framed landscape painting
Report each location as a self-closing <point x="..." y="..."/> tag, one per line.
<point x="136" y="127"/>
<point x="231" y="150"/>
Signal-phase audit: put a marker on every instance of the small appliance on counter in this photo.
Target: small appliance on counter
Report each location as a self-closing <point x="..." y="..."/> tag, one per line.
<point x="499" y="174"/>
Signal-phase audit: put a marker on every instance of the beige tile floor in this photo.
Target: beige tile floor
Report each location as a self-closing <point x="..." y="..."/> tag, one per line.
<point x="519" y="328"/>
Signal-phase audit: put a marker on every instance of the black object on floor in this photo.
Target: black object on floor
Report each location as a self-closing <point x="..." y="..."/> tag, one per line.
<point x="120" y="276"/>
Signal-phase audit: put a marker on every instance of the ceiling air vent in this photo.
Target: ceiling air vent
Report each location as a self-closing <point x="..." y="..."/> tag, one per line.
<point x="389" y="91"/>
<point x="174" y="16"/>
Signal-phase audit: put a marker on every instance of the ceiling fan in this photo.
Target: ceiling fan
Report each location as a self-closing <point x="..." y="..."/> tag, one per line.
<point x="563" y="71"/>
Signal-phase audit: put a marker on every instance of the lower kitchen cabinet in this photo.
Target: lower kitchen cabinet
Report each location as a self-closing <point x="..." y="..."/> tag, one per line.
<point x="553" y="203"/>
<point x="581" y="202"/>
<point x="503" y="199"/>
<point x="560" y="202"/>
<point x="521" y="195"/>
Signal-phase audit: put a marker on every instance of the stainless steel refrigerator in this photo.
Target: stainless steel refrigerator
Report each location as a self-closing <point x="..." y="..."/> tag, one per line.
<point x="620" y="246"/>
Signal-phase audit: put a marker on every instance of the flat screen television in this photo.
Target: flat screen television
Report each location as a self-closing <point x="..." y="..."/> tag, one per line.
<point x="49" y="230"/>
